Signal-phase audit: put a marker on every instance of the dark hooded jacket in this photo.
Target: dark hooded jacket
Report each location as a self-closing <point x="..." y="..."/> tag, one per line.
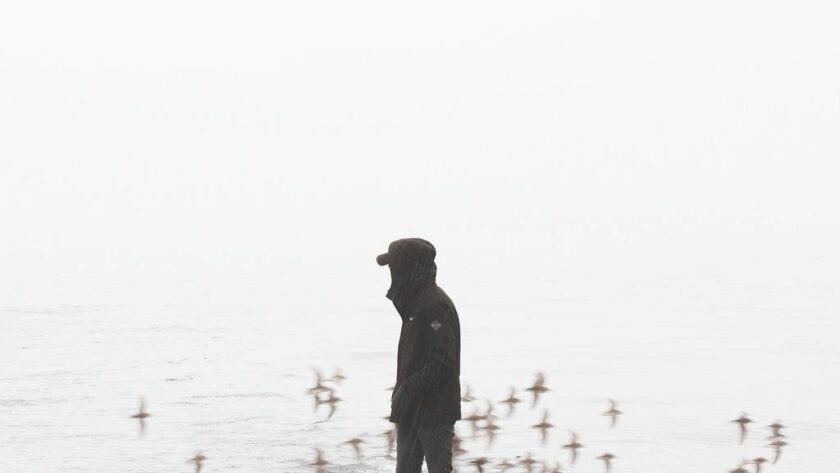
<point x="427" y="388"/>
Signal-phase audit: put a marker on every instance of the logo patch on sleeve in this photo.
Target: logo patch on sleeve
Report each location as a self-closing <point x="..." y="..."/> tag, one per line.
<point x="436" y="325"/>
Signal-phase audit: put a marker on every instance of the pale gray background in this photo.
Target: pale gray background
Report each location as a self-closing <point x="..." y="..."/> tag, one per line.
<point x="637" y="197"/>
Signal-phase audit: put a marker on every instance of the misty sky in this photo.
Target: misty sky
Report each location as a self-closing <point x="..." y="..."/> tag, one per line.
<point x="562" y="128"/>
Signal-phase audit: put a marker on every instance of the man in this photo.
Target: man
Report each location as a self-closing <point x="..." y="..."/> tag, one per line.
<point x="426" y="400"/>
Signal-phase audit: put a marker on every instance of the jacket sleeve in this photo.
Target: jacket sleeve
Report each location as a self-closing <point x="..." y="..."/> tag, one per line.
<point x="438" y="358"/>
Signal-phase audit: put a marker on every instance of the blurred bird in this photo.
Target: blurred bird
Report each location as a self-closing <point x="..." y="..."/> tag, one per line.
<point x="504" y="466"/>
<point x="332" y="400"/>
<point x="511" y="401"/>
<point x="319" y="383"/>
<point x="320" y="462"/>
<point x="528" y="462"/>
<point x="543" y="426"/>
<point x="355" y="442"/>
<point x="758" y="462"/>
<point x="467" y="397"/>
<point x="141" y="416"/>
<point x="777" y="427"/>
<point x="740" y="468"/>
<point x="457" y="446"/>
<point x="490" y="427"/>
<point x="742" y="426"/>
<point x="198" y="459"/>
<point x="613" y="412"/>
<point x="479" y="463"/>
<point x="338" y="376"/>
<point x="777" y="446"/>
<point x="473" y="420"/>
<point x="573" y="447"/>
<point x="607" y="458"/>
<point x="391" y="437"/>
<point x="537" y="388"/>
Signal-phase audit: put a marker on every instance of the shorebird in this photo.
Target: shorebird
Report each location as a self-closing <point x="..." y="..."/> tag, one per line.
<point x="742" y="426"/>
<point x="740" y="468"/>
<point x="320" y="462"/>
<point x="391" y="436"/>
<point x="537" y="388"/>
<point x="543" y="426"/>
<point x="528" y="462"/>
<point x="338" y="376"/>
<point x="141" y="416"/>
<point x="332" y="400"/>
<point x="758" y="462"/>
<point x="467" y="397"/>
<point x="319" y="383"/>
<point x="490" y="427"/>
<point x="613" y="412"/>
<point x="473" y="420"/>
<point x="479" y="463"/>
<point x="573" y="447"/>
<point x="504" y="466"/>
<point x="355" y="442"/>
<point x="607" y="458"/>
<point x="777" y="446"/>
<point x="511" y="401"/>
<point x="488" y="414"/>
<point x="457" y="446"/>
<point x="198" y="459"/>
<point x="777" y="427"/>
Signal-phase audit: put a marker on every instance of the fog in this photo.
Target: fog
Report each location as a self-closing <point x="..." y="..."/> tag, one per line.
<point x="211" y="152"/>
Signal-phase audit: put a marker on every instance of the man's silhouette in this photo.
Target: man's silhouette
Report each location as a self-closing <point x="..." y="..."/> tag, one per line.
<point x="426" y="400"/>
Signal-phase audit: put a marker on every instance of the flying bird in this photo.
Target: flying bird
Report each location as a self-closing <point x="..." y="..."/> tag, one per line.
<point x="198" y="459"/>
<point x="742" y="426"/>
<point x="777" y="427"/>
<point x="511" y="401"/>
<point x="391" y="437"/>
<point x="740" y="468"/>
<point x="573" y="447"/>
<point x="320" y="462"/>
<point x="479" y="463"/>
<point x="467" y="396"/>
<point x="607" y="458"/>
<point x="613" y="412"/>
<point x="758" y="462"/>
<point x="338" y="376"/>
<point x="528" y="462"/>
<point x="457" y="446"/>
<point x="357" y="449"/>
<point x="777" y="446"/>
<point x="537" y="388"/>
<point x="504" y="466"/>
<point x="332" y="400"/>
<point x="543" y="426"/>
<point x="473" y="420"/>
<point x="319" y="383"/>
<point x="141" y="416"/>
<point x="490" y="427"/>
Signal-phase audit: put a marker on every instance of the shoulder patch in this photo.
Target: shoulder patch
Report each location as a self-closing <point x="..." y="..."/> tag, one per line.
<point x="436" y="325"/>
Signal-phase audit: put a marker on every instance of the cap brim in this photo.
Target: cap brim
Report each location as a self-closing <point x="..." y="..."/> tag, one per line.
<point x="383" y="259"/>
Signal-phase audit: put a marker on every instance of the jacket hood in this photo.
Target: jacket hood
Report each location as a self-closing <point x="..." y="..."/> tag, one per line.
<point x="412" y="265"/>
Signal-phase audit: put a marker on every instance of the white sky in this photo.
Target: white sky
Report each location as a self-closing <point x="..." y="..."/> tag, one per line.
<point x="285" y="126"/>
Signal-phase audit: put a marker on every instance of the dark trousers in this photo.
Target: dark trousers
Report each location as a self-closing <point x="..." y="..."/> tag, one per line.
<point x="433" y="441"/>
